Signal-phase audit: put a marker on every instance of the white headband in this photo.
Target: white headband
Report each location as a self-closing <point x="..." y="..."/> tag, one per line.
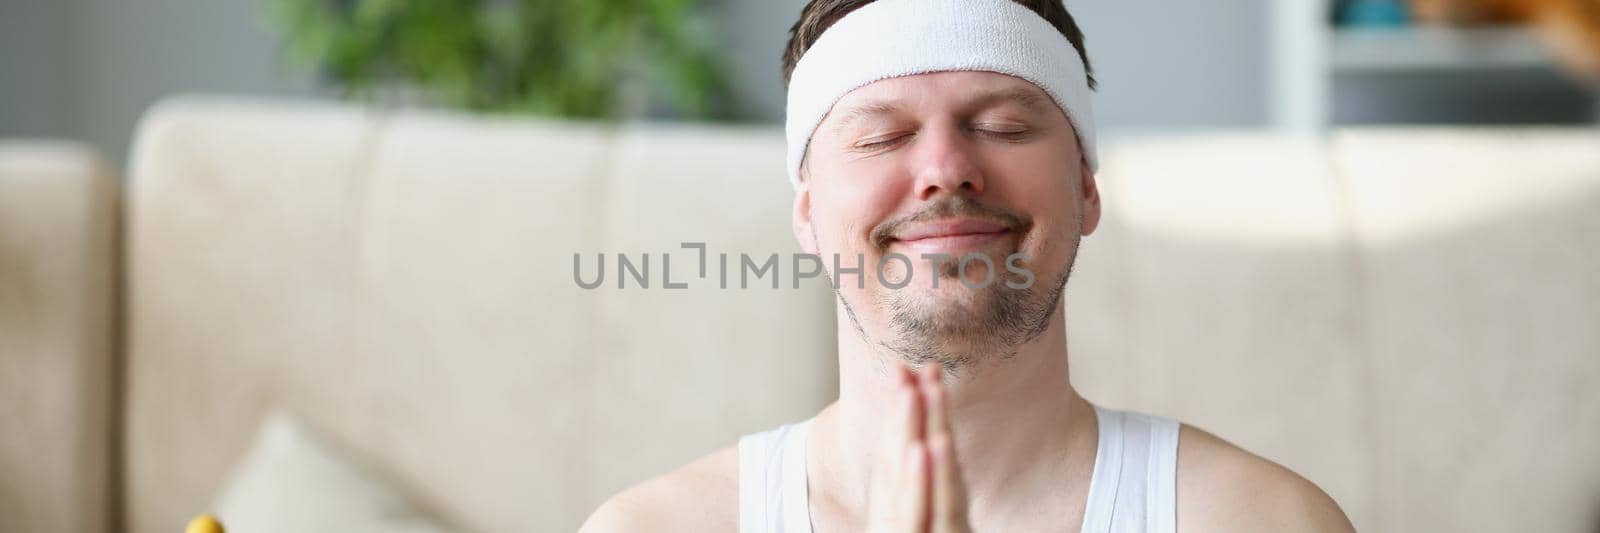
<point x="892" y="38"/>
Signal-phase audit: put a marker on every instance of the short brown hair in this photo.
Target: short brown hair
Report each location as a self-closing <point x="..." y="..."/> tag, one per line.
<point x="819" y="15"/>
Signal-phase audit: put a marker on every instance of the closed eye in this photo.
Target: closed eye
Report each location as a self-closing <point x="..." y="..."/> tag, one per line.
<point x="883" y="142"/>
<point x="1009" y="134"/>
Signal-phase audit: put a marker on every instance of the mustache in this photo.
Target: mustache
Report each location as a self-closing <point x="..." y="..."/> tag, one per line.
<point x="958" y="207"/>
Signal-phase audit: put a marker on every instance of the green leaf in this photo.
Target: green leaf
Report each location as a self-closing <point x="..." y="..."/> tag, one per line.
<point x="549" y="57"/>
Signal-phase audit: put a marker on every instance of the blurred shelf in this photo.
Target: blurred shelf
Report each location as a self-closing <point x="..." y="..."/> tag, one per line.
<point x="1436" y="48"/>
<point x="1312" y="59"/>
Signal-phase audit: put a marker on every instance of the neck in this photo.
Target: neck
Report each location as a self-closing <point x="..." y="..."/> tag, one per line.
<point x="1017" y="422"/>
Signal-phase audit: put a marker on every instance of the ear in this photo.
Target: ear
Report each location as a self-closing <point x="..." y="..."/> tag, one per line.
<point x="1088" y="198"/>
<point x="801" y="220"/>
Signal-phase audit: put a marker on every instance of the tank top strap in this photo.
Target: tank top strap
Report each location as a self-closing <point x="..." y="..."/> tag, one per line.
<point x="1134" y="486"/>
<point x="1161" y="496"/>
<point x="772" y="481"/>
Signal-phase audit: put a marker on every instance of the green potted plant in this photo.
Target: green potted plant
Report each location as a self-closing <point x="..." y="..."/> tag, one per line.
<point x="588" y="59"/>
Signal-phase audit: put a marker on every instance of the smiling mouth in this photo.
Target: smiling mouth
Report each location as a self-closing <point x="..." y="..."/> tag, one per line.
<point x="954" y="245"/>
<point x="951" y="237"/>
<point x="956" y="226"/>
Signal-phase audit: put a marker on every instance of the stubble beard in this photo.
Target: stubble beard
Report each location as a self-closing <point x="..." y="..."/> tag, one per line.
<point x="991" y="327"/>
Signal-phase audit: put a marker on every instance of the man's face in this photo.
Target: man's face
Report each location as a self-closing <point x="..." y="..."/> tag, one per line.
<point x="952" y="164"/>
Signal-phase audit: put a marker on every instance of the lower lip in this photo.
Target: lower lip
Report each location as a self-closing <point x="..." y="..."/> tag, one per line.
<point x="955" y="245"/>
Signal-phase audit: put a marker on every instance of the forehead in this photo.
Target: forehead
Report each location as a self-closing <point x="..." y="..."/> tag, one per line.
<point x="957" y="90"/>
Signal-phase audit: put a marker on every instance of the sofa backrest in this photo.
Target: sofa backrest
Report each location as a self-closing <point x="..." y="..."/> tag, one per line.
<point x="57" y="287"/>
<point x="403" y="283"/>
<point x="1408" y="317"/>
<point x="1404" y="316"/>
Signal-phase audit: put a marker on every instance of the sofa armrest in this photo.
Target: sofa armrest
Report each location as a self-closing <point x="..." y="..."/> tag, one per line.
<point x="57" y="277"/>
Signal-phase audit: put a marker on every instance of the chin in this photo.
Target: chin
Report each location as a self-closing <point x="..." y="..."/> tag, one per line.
<point x="952" y="310"/>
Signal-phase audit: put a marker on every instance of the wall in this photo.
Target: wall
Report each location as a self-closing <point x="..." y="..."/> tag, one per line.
<point x="132" y="52"/>
<point x="1161" y="63"/>
<point x="36" y="68"/>
<point x="88" y="68"/>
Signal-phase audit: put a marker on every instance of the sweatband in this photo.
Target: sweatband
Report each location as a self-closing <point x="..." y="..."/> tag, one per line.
<point x="892" y="38"/>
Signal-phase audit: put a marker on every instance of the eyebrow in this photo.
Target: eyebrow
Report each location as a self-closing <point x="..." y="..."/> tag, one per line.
<point x="1031" y="100"/>
<point x="862" y="111"/>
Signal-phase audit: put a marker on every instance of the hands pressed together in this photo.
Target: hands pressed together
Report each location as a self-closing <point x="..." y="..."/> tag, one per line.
<point x="916" y="483"/>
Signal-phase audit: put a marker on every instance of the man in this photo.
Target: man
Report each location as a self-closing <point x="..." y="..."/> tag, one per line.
<point x="936" y="131"/>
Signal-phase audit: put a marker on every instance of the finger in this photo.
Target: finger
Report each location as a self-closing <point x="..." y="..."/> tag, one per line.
<point x="912" y="507"/>
<point x="898" y="409"/>
<point x="916" y="423"/>
<point x="896" y="431"/>
<point x="901" y="426"/>
<point x="912" y="419"/>
<point x="949" y="492"/>
<point x="937" y="409"/>
<point x="903" y="374"/>
<point x="883" y="494"/>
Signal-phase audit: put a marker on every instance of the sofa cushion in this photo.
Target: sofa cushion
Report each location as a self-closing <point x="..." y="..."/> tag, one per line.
<point x="1479" y="255"/>
<point x="291" y="480"/>
<point x="58" y="212"/>
<point x="404" y="280"/>
<point x="1221" y="290"/>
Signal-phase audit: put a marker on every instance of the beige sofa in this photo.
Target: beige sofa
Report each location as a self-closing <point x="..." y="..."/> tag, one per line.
<point x="1407" y="317"/>
<point x="58" y="214"/>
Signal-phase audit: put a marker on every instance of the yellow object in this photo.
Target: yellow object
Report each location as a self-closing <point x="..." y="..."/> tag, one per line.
<point x="205" y="523"/>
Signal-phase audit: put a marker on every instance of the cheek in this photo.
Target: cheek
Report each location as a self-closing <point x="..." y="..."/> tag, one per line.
<point x="1042" y="184"/>
<point x="846" y="204"/>
<point x="840" y="225"/>
<point x="1038" y="172"/>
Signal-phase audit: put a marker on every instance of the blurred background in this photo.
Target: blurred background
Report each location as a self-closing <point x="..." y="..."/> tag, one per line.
<point x="309" y="264"/>
<point x="87" y="69"/>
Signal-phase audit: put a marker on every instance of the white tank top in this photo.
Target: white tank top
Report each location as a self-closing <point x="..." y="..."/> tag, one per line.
<point x="1133" y="488"/>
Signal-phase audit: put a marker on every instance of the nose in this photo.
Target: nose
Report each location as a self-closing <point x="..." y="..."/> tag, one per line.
<point x="944" y="163"/>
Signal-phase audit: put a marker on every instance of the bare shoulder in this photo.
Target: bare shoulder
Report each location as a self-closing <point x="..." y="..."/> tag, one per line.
<point x="1222" y="487"/>
<point x="701" y="496"/>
